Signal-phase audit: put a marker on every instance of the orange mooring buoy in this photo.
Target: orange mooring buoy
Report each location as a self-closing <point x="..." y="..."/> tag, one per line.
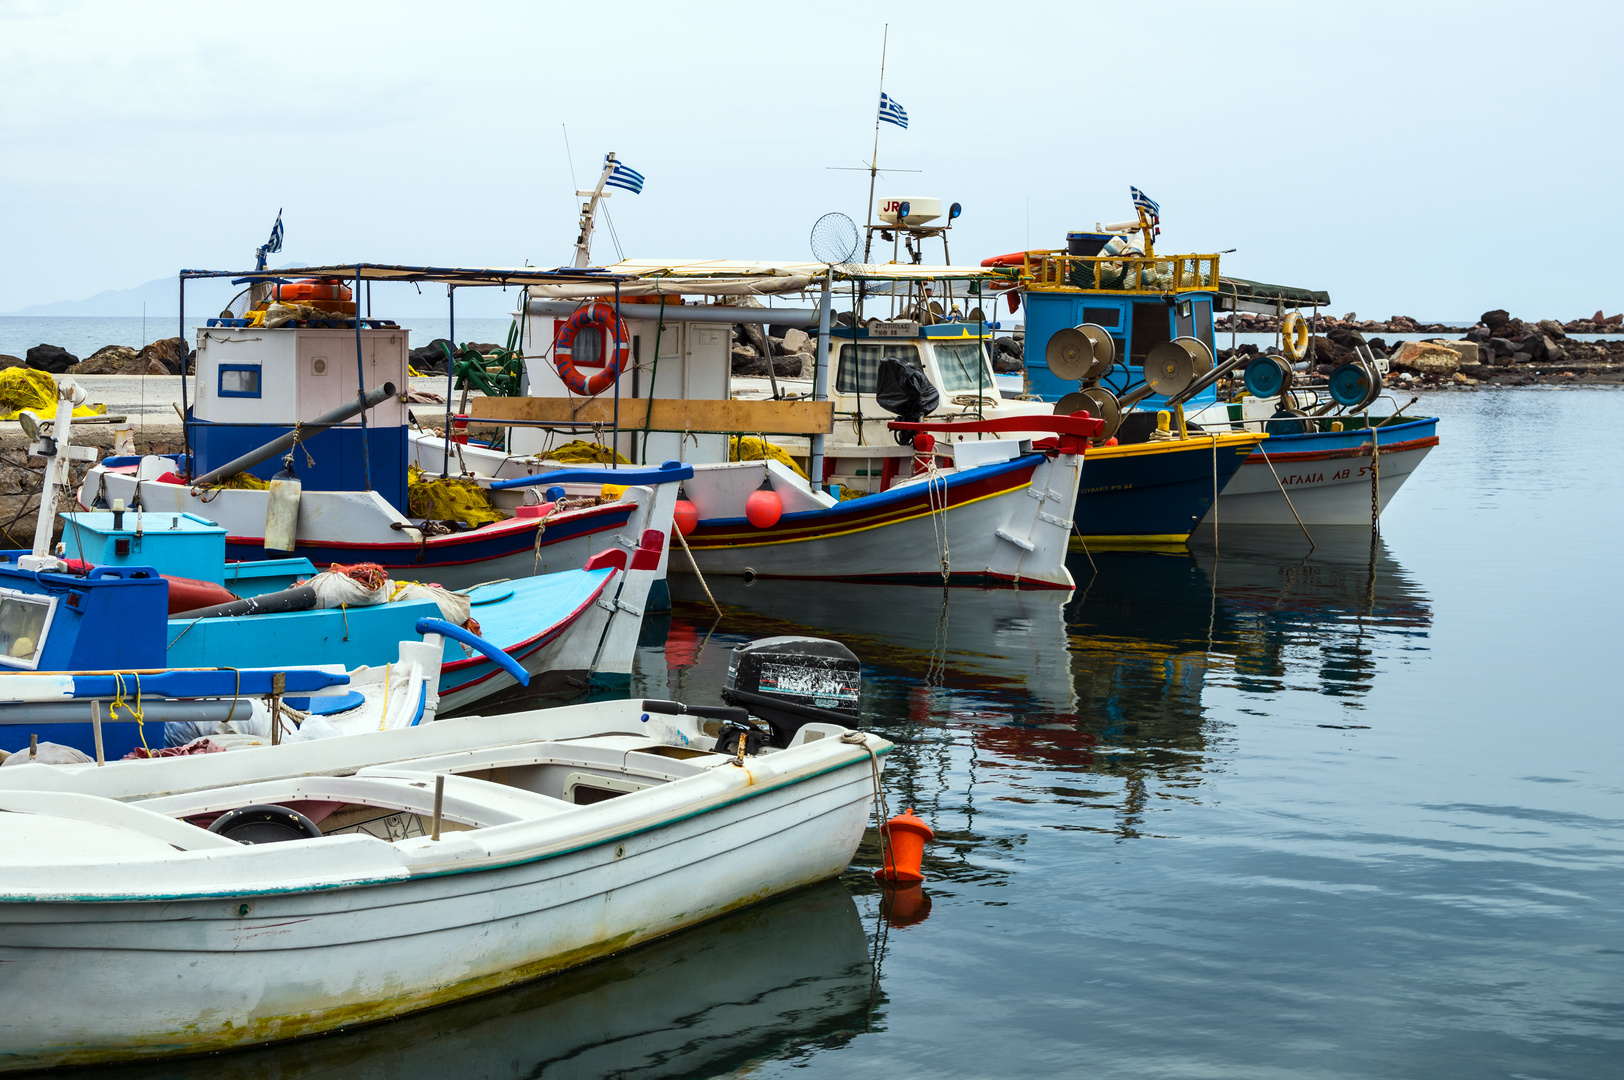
<point x="905" y="839"/>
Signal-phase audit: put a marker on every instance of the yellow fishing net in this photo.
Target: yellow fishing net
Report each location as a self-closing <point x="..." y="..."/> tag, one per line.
<point x="24" y="388"/>
<point x="450" y="499"/>
<point x="751" y="448"/>
<point x="585" y="453"/>
<point x="243" y="482"/>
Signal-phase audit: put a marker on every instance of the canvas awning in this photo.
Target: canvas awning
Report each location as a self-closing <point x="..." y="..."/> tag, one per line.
<point x="1239" y="294"/>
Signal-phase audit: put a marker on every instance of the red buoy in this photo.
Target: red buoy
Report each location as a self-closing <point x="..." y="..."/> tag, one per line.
<point x="763" y="508"/>
<point x="905" y="840"/>
<point x="685" y="516"/>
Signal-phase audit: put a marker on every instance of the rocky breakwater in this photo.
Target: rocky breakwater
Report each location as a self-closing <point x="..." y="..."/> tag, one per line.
<point x="22" y="475"/>
<point x="1497" y="350"/>
<point x="162" y="357"/>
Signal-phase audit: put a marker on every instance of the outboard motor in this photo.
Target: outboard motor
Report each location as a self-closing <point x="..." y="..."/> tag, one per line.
<point x="901" y="388"/>
<point x="791" y="681"/>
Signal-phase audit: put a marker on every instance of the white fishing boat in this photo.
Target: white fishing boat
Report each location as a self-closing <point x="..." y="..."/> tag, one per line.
<point x="296" y="443"/>
<point x="201" y="903"/>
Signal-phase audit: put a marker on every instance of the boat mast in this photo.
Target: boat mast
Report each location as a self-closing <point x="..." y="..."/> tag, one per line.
<point x="589" y="210"/>
<point x="874" y="159"/>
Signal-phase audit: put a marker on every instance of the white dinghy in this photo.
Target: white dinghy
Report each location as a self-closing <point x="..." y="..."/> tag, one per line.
<point x="145" y="909"/>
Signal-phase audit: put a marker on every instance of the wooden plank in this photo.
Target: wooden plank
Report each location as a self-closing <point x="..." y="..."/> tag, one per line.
<point x="670" y="414"/>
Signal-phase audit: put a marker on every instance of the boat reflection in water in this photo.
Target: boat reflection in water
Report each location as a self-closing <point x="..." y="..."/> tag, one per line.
<point x="776" y="980"/>
<point x="1107" y="681"/>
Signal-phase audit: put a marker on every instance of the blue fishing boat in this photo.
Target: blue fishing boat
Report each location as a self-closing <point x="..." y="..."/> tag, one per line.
<point x="1109" y="297"/>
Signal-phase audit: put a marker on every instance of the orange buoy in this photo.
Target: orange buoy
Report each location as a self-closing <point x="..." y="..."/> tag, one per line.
<point x="685" y="516"/>
<point x="763" y="508"/>
<point x="906" y="837"/>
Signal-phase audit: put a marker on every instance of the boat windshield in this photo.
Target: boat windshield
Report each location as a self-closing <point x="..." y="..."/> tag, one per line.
<point x="964" y="367"/>
<point x="859" y="364"/>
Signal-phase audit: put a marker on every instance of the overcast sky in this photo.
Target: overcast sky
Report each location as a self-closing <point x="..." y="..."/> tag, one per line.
<point x="1422" y="158"/>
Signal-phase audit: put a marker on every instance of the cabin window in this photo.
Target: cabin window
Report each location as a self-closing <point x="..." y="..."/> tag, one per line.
<point x="1151" y="327"/>
<point x="860" y="364"/>
<point x="24" y="622"/>
<point x="239" y="380"/>
<point x="1108" y="317"/>
<point x="964" y="367"/>
<point x="1203" y="323"/>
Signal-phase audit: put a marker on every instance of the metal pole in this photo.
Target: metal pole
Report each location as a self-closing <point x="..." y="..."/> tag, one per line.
<point x="361" y="387"/>
<point x="450" y="366"/>
<point x="185" y="426"/>
<point x="820" y="373"/>
<point x="614" y="440"/>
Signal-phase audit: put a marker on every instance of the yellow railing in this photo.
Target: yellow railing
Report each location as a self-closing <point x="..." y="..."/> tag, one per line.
<point x="1119" y="273"/>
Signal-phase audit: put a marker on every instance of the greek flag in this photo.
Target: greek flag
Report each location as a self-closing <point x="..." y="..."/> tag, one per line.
<point x="624" y="177"/>
<point x="274" y="244"/>
<point x="892" y="112"/>
<point x="1144" y="202"/>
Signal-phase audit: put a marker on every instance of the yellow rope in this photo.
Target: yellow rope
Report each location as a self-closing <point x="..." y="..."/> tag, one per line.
<point x="135" y="713"/>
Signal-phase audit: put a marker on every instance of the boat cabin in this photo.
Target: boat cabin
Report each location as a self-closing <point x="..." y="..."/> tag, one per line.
<point x="1140" y="301"/>
<point x="255" y="384"/>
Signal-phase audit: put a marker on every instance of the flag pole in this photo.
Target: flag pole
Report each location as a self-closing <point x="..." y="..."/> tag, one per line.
<point x="874" y="160"/>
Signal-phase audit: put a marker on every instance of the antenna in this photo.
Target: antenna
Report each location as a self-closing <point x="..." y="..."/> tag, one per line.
<point x="874" y="161"/>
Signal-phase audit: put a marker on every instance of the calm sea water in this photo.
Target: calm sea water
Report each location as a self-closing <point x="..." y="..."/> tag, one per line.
<point x="83" y="335"/>
<point x="1269" y="811"/>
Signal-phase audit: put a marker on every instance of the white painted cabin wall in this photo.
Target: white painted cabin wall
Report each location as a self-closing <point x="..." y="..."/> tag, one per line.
<point x="290" y="388"/>
<point x="695" y="363"/>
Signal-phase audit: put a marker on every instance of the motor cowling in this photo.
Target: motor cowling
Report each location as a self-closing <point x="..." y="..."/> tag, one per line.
<point x="902" y="388"/>
<point x="792" y="680"/>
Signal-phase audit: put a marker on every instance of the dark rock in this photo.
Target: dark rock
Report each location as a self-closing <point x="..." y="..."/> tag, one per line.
<point x="118" y="360"/>
<point x="1495" y="319"/>
<point x="1326" y="351"/>
<point x="1003" y="364"/>
<point x="1348" y="339"/>
<point x="169" y="352"/>
<point x="1541" y="348"/>
<point x="1516" y="358"/>
<point x="785" y="367"/>
<point x="1479" y="334"/>
<point x="52" y="358"/>
<point x="430" y="358"/>
<point x="1009" y="346"/>
<point x="1552" y="328"/>
<point x="1502" y="346"/>
<point x="1378" y="351"/>
<point x="1377" y="343"/>
<point x="7" y="360"/>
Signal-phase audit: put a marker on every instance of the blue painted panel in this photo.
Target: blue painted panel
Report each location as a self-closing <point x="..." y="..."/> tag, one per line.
<point x="1160" y="494"/>
<point x="184" y="545"/>
<point x="348" y="636"/>
<point x="1047" y="313"/>
<point x="339" y="462"/>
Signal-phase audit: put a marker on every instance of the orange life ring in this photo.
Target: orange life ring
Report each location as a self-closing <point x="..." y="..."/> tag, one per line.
<point x="602" y="316"/>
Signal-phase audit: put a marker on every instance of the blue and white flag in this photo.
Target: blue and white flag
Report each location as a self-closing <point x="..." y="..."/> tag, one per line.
<point x="625" y="178"/>
<point x="1144" y="202"/>
<point x="274" y="244"/>
<point x="892" y="112"/>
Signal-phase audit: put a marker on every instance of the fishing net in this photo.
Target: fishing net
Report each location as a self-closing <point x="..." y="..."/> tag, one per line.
<point x="242" y="482"/>
<point x="451" y="498"/>
<point x="24" y="388"/>
<point x="585" y="453"/>
<point x="752" y="448"/>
